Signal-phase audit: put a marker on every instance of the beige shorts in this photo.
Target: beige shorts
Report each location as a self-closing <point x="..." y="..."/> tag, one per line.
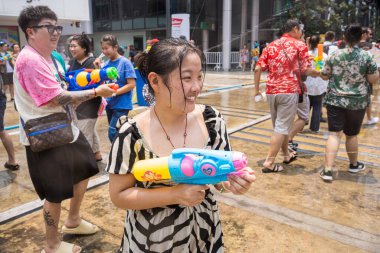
<point x="283" y="109"/>
<point x="303" y="109"/>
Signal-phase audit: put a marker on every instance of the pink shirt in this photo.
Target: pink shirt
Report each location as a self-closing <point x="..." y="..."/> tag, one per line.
<point x="36" y="83"/>
<point x="37" y="76"/>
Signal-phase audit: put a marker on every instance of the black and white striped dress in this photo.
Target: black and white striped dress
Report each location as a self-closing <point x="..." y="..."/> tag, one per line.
<point x="171" y="228"/>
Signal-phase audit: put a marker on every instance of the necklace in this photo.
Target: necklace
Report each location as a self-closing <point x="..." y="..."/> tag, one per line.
<point x="167" y="136"/>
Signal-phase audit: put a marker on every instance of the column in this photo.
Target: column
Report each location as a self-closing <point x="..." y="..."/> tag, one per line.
<point x="255" y="20"/>
<point x="226" y="49"/>
<point x="168" y="20"/>
<point x="243" y="26"/>
<point x="205" y="40"/>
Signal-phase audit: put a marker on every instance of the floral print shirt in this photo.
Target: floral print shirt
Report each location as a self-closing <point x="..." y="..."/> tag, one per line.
<point x="348" y="86"/>
<point x="282" y="67"/>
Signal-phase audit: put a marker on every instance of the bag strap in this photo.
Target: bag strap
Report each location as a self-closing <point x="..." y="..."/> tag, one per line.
<point x="61" y="80"/>
<point x="291" y="65"/>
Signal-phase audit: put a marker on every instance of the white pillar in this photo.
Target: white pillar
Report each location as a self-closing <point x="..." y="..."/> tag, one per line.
<point x="205" y="40"/>
<point x="226" y="49"/>
<point x="243" y="27"/>
<point x="255" y="20"/>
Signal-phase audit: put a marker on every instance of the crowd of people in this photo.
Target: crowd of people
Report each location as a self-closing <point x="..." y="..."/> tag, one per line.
<point x="343" y="85"/>
<point x="168" y="216"/>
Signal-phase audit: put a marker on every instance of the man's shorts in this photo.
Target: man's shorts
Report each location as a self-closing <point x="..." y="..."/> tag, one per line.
<point x="342" y="119"/>
<point x="303" y="109"/>
<point x="7" y="78"/>
<point x="3" y="105"/>
<point x="283" y="109"/>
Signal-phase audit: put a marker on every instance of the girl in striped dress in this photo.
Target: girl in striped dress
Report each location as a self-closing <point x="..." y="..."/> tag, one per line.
<point x="168" y="217"/>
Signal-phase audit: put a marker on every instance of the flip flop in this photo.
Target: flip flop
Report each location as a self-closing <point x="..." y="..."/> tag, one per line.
<point x="11" y="166"/>
<point x="84" y="228"/>
<point x="293" y="157"/>
<point x="64" y="247"/>
<point x="276" y="168"/>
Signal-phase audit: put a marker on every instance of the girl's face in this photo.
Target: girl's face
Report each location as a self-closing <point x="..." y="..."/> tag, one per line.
<point x="76" y="50"/>
<point x="183" y="94"/>
<point x="109" y="51"/>
<point x="16" y="49"/>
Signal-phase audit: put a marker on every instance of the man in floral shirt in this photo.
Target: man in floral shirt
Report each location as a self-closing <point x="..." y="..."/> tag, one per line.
<point x="284" y="59"/>
<point x="349" y="71"/>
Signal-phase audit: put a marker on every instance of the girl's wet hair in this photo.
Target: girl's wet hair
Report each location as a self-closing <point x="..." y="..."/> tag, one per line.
<point x="110" y="40"/>
<point x="164" y="57"/>
<point x="83" y="41"/>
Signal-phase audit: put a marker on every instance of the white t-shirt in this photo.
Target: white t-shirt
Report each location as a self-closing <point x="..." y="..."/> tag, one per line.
<point x="316" y="85"/>
<point x="36" y="83"/>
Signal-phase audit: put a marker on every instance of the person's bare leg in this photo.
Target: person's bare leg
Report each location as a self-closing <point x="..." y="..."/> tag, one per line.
<point x="276" y="142"/>
<point x="8" y="145"/>
<point x="332" y="147"/>
<point x="51" y="212"/>
<point x="73" y="220"/>
<point x="11" y="91"/>
<point x="352" y="149"/>
<point x="285" y="149"/>
<point x="369" y="112"/>
<point x="298" y="125"/>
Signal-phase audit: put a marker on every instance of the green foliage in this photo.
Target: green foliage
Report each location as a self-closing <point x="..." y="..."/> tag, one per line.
<point x="320" y="16"/>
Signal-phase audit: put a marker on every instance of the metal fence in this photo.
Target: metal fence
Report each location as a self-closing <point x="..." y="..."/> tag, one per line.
<point x="216" y="59"/>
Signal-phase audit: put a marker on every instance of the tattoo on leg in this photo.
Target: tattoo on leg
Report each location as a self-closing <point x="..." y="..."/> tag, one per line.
<point x="48" y="219"/>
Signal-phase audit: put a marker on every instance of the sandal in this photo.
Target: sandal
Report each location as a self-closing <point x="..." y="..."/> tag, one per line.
<point x="276" y="168"/>
<point x="293" y="157"/>
<point x="11" y="166"/>
<point x="65" y="247"/>
<point x="84" y="228"/>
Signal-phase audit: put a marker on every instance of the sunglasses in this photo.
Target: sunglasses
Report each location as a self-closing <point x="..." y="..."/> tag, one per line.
<point x="50" y="28"/>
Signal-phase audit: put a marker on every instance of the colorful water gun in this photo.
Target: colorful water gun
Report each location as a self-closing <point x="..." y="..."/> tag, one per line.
<point x="318" y="60"/>
<point x="5" y="58"/>
<point x="84" y="79"/>
<point x="191" y="166"/>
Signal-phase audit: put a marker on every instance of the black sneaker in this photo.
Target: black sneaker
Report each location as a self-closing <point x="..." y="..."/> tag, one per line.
<point x="355" y="169"/>
<point x="326" y="175"/>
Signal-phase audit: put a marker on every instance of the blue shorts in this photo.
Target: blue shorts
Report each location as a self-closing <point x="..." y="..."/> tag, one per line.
<point x="3" y="105"/>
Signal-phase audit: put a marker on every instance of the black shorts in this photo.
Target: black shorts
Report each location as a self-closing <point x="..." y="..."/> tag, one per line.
<point x="3" y="105"/>
<point x="55" y="171"/>
<point x="7" y="78"/>
<point x="342" y="119"/>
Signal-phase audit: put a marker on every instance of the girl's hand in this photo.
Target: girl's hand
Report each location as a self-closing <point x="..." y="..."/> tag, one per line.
<point x="240" y="184"/>
<point x="189" y="195"/>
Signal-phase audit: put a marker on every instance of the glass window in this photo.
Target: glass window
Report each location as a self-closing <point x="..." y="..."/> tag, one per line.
<point x="115" y="8"/>
<point x="127" y="24"/>
<point x="138" y="23"/>
<point x="101" y="10"/>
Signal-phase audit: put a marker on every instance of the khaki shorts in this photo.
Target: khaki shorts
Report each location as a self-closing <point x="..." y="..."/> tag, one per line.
<point x="303" y="109"/>
<point x="283" y="109"/>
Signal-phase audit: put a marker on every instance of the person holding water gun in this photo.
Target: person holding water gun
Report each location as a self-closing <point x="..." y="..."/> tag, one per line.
<point x="121" y="103"/>
<point x="87" y="111"/>
<point x="171" y="216"/>
<point x="316" y="86"/>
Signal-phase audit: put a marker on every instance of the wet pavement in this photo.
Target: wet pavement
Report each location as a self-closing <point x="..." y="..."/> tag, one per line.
<point x="291" y="211"/>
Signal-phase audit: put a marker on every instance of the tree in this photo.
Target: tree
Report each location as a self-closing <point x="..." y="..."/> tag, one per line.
<point x="320" y="16"/>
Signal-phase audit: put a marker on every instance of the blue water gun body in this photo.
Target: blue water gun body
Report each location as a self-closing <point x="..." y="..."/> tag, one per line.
<point x="85" y="79"/>
<point x="191" y="166"/>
